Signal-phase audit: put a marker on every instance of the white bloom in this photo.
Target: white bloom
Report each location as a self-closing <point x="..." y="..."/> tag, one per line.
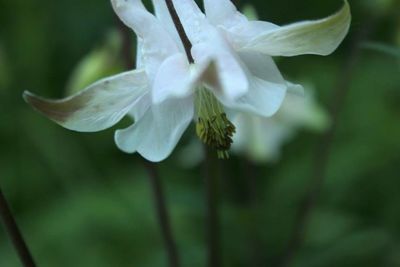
<point x="232" y="68"/>
<point x="261" y="139"/>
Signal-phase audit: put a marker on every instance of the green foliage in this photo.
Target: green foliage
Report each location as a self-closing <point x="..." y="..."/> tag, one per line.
<point x="81" y="202"/>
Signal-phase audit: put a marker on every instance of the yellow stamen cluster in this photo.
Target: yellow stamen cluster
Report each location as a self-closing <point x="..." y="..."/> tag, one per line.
<point x="213" y="127"/>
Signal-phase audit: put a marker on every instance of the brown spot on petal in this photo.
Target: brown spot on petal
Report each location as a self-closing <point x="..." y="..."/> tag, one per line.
<point x="57" y="110"/>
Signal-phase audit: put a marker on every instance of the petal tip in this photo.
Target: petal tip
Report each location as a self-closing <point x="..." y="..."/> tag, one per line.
<point x="316" y="37"/>
<point x="26" y="95"/>
<point x="118" y="139"/>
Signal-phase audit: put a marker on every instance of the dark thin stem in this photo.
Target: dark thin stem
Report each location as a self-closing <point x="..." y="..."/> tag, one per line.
<point x="14" y="233"/>
<point x="323" y="150"/>
<point x="254" y="202"/>
<point x="212" y="220"/>
<point x="162" y="214"/>
<point x="181" y="31"/>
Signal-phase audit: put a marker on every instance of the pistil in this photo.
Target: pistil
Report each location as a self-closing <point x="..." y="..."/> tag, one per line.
<point x="213" y="127"/>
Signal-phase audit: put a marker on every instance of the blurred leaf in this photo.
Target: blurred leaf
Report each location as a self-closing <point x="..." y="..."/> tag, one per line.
<point x="4" y="71"/>
<point x="383" y="48"/>
<point x="362" y="248"/>
<point x="250" y="12"/>
<point x="101" y="62"/>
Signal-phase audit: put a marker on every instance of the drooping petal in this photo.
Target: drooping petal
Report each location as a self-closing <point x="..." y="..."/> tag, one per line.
<point x="267" y="87"/>
<point x="231" y="76"/>
<point x="264" y="98"/>
<point x="172" y="79"/>
<point x="97" y="107"/>
<point x="156" y="43"/>
<point x="176" y="78"/>
<point x="320" y="37"/>
<point x="158" y="132"/>
<point x="261" y="66"/>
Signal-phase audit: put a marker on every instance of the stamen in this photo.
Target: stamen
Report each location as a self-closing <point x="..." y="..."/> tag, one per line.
<point x="213" y="127"/>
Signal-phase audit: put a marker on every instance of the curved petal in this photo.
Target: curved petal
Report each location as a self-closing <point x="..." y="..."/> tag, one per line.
<point x="156" y="43"/>
<point x="264" y="98"/>
<point x="173" y="79"/>
<point x="320" y="37"/>
<point x="267" y="88"/>
<point x="158" y="132"/>
<point x="97" y="107"/>
<point x="232" y="79"/>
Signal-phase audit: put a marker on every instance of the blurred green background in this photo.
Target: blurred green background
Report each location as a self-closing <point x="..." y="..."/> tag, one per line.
<point x="80" y="202"/>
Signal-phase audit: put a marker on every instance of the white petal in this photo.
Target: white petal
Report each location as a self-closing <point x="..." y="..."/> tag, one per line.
<point x="139" y="54"/>
<point x="240" y="34"/>
<point x="97" y="107"/>
<point x="173" y="79"/>
<point x="267" y="87"/>
<point x="209" y="45"/>
<point x="223" y="12"/>
<point x="231" y="75"/>
<point x="260" y="138"/>
<point x="320" y="37"/>
<point x="158" y="132"/>
<point x="163" y="15"/>
<point x="238" y="29"/>
<point x="156" y="43"/>
<point x="139" y="109"/>
<point x="193" y="20"/>
<point x="264" y="98"/>
<point x="295" y="89"/>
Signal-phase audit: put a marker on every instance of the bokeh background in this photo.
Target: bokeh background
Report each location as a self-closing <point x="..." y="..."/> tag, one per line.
<point x="80" y="202"/>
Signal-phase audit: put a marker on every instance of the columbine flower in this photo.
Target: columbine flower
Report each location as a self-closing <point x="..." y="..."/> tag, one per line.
<point x="261" y="139"/>
<point x="229" y="65"/>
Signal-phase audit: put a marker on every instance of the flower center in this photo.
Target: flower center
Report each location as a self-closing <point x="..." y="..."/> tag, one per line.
<point x="213" y="127"/>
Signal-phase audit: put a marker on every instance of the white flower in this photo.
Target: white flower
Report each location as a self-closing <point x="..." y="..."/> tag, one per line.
<point x="232" y="68"/>
<point x="261" y="139"/>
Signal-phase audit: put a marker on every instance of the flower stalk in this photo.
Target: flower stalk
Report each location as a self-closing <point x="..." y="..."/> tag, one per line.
<point x="15" y="234"/>
<point x="162" y="214"/>
<point x="212" y="217"/>
<point x="181" y="31"/>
